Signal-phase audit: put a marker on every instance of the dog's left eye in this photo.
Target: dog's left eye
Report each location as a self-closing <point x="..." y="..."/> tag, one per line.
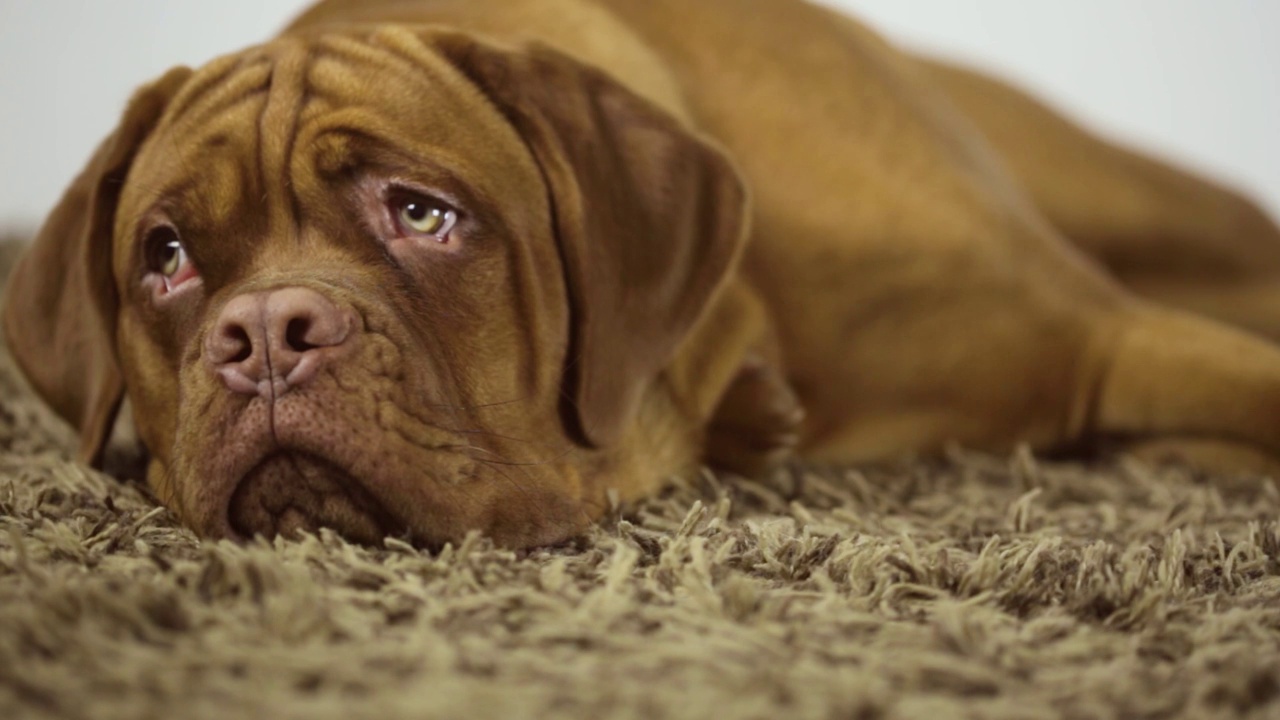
<point x="419" y="215"/>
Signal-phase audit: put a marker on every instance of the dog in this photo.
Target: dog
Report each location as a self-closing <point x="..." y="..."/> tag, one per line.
<point x="429" y="267"/>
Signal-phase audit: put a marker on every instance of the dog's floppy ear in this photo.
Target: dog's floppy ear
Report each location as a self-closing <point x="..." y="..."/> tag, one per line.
<point x="60" y="305"/>
<point x="650" y="219"/>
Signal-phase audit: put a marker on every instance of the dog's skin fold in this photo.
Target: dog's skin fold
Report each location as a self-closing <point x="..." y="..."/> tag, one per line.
<point x="423" y="267"/>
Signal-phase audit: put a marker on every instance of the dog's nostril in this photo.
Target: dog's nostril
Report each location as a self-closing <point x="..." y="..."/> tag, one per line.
<point x="238" y="343"/>
<point x="295" y="334"/>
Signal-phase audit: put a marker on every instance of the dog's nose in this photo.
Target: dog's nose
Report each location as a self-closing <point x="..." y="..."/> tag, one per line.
<point x="266" y="343"/>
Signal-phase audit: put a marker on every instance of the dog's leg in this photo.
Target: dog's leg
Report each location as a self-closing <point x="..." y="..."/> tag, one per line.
<point x="728" y="377"/>
<point x="999" y="334"/>
<point x="1166" y="234"/>
<point x="1054" y="366"/>
<point x="1178" y="385"/>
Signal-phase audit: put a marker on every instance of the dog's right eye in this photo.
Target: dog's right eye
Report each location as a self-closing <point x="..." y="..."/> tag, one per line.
<point x="164" y="251"/>
<point x="167" y="257"/>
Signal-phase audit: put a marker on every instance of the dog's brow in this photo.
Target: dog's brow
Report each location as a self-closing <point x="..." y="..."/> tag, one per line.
<point x="439" y="176"/>
<point x="441" y="171"/>
<point x="157" y="198"/>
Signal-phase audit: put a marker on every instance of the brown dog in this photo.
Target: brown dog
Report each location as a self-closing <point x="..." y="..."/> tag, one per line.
<point x="428" y="266"/>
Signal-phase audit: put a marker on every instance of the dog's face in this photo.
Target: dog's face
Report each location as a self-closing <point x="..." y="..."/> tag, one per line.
<point x="388" y="283"/>
<point x="343" y="302"/>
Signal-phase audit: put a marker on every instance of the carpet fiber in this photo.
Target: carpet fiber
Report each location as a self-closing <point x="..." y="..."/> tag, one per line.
<point x="974" y="587"/>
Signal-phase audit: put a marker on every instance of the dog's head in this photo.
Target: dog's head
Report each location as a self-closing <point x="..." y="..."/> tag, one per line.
<point x="400" y="282"/>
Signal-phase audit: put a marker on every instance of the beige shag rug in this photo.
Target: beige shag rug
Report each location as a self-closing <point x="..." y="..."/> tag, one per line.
<point x="979" y="587"/>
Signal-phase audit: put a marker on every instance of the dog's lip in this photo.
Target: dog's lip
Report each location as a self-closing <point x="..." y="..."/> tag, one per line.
<point x="264" y="429"/>
<point x="427" y="498"/>
<point x="360" y="488"/>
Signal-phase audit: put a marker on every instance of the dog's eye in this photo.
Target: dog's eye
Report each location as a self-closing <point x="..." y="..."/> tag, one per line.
<point x="423" y="216"/>
<point x="171" y="258"/>
<point x="167" y="257"/>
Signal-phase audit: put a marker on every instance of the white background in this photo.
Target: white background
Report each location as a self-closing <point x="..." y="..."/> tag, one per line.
<point x="1196" y="80"/>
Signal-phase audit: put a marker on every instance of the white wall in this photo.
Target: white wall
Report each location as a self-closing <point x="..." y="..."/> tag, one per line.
<point x="1194" y="79"/>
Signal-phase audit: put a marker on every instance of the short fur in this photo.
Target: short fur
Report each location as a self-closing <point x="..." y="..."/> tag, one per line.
<point x="677" y="245"/>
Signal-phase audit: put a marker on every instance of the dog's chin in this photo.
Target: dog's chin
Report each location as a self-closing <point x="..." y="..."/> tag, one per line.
<point x="289" y="493"/>
<point x="314" y="461"/>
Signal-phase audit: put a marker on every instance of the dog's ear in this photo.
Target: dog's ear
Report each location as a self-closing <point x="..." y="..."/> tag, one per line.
<point x="650" y="218"/>
<point x="61" y="303"/>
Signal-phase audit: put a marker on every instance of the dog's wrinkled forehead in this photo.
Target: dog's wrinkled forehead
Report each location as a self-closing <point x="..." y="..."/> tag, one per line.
<point x="256" y="131"/>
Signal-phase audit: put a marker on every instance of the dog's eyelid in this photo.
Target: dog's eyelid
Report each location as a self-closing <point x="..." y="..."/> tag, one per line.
<point x="395" y="208"/>
<point x="405" y="191"/>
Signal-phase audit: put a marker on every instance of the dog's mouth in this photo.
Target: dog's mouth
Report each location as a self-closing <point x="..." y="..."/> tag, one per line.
<point x="311" y="462"/>
<point x="290" y="492"/>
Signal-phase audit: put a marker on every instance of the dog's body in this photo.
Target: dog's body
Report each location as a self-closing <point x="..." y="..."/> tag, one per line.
<point x="721" y="231"/>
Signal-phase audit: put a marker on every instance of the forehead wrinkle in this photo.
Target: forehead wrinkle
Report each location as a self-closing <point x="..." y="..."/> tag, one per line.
<point x="286" y="95"/>
<point x="350" y="49"/>
<point x="202" y="81"/>
<point x="394" y="59"/>
<point x="187" y="163"/>
<point x="213" y="90"/>
<point x="392" y="88"/>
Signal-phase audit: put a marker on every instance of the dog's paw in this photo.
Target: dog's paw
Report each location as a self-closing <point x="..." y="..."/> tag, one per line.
<point x="757" y="424"/>
<point x="1222" y="458"/>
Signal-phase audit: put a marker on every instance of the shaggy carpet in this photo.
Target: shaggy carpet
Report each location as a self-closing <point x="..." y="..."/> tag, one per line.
<point x="974" y="587"/>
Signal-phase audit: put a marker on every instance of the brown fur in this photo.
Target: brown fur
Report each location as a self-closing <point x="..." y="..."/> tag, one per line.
<point x="678" y="245"/>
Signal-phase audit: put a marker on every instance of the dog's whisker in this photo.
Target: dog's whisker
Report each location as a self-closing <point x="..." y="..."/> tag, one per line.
<point x="503" y="461"/>
<point x="480" y="406"/>
<point x="535" y="507"/>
